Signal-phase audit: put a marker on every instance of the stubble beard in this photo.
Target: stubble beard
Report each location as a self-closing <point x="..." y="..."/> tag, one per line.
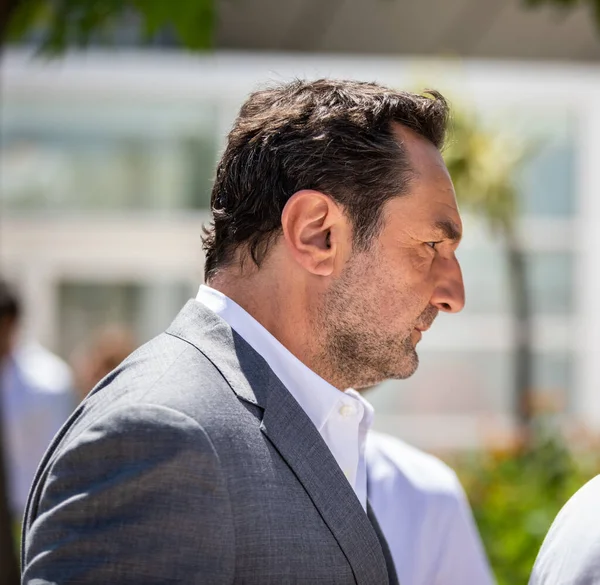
<point x="355" y="351"/>
<point x="362" y="359"/>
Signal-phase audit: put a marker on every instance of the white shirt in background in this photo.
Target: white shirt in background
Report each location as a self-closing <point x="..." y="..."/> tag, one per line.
<point x="424" y="515"/>
<point x="342" y="418"/>
<point x="37" y="398"/>
<point x="570" y="553"/>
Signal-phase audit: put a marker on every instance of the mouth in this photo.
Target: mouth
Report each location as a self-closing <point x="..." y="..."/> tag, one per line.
<point x="426" y="319"/>
<point x="419" y="330"/>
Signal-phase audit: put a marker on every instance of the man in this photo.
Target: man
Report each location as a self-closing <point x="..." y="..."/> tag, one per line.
<point x="424" y="515"/>
<point x="570" y="553"/>
<point x="226" y="450"/>
<point x="10" y="574"/>
<point x="36" y="396"/>
<point x="35" y="400"/>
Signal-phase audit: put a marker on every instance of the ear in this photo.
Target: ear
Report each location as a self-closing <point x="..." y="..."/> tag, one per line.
<point x="314" y="231"/>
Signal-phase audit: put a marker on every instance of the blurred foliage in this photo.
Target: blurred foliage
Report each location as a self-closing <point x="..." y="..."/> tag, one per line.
<point x="75" y="22"/>
<point x="483" y="165"/>
<point x="516" y="494"/>
<point x="594" y="6"/>
<point x="64" y="23"/>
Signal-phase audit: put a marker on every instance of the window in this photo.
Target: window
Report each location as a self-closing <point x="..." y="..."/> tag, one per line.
<point x="99" y="157"/>
<point x="146" y="309"/>
<point x="550" y="281"/>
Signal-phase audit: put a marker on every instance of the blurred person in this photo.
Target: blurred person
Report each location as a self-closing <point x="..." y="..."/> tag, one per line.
<point x="105" y="350"/>
<point x="570" y="553"/>
<point x="424" y="515"/>
<point x="9" y="564"/>
<point x="37" y="398"/>
<point x="227" y="449"/>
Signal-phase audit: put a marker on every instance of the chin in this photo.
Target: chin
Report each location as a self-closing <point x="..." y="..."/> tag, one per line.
<point x="408" y="368"/>
<point x="377" y="376"/>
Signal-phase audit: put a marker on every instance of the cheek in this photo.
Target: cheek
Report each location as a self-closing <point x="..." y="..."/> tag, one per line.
<point x="404" y="287"/>
<point x="409" y="269"/>
<point x="395" y="297"/>
<point x="390" y="290"/>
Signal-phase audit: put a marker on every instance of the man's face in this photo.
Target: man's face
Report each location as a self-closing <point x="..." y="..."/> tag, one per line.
<point x="375" y="311"/>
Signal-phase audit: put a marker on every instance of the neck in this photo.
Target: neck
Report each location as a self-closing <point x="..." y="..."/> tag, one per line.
<point x="286" y="312"/>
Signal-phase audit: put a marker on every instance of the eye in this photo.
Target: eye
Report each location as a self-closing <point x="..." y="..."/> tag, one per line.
<point x="433" y="244"/>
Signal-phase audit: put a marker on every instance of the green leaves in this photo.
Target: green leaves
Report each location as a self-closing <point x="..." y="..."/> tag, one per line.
<point x="64" y="23"/>
<point x="593" y="5"/>
<point x="483" y="165"/>
<point x="516" y="494"/>
<point x="561" y="3"/>
<point x="192" y="20"/>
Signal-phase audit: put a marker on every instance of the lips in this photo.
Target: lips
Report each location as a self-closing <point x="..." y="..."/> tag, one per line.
<point x="419" y="335"/>
<point x="427" y="317"/>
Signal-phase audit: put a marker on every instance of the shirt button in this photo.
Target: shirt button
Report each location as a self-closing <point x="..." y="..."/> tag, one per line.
<point x="347" y="410"/>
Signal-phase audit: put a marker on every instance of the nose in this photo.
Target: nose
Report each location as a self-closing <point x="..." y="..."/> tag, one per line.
<point x="449" y="293"/>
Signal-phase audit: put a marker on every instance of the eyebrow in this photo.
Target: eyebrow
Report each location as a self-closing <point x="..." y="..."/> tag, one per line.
<point x="449" y="229"/>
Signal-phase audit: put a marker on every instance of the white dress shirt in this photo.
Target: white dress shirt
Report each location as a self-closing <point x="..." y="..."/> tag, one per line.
<point x="570" y="553"/>
<point x="36" y="395"/>
<point x="342" y="418"/>
<point x="424" y="515"/>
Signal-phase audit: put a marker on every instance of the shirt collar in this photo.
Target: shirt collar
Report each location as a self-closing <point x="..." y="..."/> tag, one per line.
<point x="315" y="395"/>
<point x="368" y="410"/>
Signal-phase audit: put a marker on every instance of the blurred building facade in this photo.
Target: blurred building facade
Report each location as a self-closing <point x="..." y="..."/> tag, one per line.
<point x="106" y="162"/>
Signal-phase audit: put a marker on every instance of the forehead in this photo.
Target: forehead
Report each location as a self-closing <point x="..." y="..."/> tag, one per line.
<point x="430" y="197"/>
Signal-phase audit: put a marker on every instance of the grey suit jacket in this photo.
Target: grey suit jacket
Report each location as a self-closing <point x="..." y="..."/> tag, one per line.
<point x="191" y="463"/>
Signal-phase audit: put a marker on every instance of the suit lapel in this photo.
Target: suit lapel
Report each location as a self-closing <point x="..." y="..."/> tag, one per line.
<point x="292" y="433"/>
<point x="389" y="561"/>
<point x="300" y="444"/>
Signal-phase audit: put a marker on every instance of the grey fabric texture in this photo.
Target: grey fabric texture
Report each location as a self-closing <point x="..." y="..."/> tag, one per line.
<point x="191" y="463"/>
<point x="389" y="561"/>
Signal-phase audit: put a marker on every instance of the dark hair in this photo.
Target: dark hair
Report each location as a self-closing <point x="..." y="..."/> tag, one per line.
<point x="10" y="306"/>
<point x="332" y="136"/>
